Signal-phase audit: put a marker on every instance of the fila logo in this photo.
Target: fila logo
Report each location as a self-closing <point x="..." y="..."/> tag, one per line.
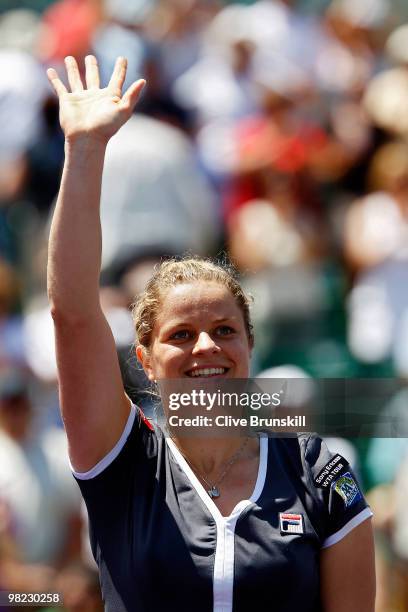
<point x="290" y="523"/>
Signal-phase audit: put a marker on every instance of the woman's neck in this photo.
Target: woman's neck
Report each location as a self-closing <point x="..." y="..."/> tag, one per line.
<point x="209" y="456"/>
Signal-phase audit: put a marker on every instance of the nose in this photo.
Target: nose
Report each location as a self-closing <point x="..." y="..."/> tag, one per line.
<point x="205" y="343"/>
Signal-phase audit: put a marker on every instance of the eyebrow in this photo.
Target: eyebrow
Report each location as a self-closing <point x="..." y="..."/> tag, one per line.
<point x="232" y="318"/>
<point x="171" y="327"/>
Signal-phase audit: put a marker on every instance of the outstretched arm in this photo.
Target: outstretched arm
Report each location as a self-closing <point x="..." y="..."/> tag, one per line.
<point x="94" y="406"/>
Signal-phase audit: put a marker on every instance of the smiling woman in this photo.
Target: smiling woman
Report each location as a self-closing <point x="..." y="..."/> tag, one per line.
<point x="188" y="271"/>
<point x="193" y="320"/>
<point x="223" y="524"/>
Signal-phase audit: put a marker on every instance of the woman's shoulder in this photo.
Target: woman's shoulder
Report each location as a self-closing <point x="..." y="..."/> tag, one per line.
<point x="140" y="440"/>
<point x="298" y="444"/>
<point x="327" y="478"/>
<point x="310" y="454"/>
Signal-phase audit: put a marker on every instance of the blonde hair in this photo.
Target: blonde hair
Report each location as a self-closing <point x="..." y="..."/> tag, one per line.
<point x="176" y="272"/>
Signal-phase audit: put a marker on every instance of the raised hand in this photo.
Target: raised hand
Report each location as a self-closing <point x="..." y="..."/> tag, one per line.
<point x="94" y="112"/>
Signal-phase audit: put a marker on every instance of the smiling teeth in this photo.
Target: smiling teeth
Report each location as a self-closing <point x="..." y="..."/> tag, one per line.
<point x="208" y="372"/>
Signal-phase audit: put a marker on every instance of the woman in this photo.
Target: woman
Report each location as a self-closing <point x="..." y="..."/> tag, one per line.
<point x="182" y="524"/>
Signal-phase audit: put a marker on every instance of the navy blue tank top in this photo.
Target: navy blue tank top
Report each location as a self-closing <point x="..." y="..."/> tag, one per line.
<point x="161" y="543"/>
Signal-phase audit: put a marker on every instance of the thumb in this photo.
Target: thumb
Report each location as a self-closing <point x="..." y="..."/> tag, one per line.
<point x="131" y="96"/>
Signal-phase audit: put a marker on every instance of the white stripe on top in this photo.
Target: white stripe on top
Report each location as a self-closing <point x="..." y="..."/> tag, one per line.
<point x="356" y="520"/>
<point x="223" y="580"/>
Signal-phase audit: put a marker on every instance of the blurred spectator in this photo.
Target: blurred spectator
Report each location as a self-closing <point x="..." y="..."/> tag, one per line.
<point x="348" y="57"/>
<point x="273" y="150"/>
<point x="121" y="287"/>
<point x="387" y="94"/>
<point x="69" y="26"/>
<point x="377" y="225"/>
<point x="34" y="467"/>
<point x="218" y="85"/>
<point x="121" y="34"/>
<point x="11" y="333"/>
<point x="396" y="45"/>
<point x="386" y="98"/>
<point x="376" y="245"/>
<point x="20" y="29"/>
<point x="153" y="193"/>
<point x="23" y="89"/>
<point x="378" y="319"/>
<point x="177" y="28"/>
<point x="23" y="92"/>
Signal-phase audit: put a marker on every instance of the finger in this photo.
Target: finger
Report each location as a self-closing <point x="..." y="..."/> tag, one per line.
<point x="132" y="95"/>
<point x="74" y="78"/>
<point x="56" y="82"/>
<point x="91" y="72"/>
<point x="118" y="75"/>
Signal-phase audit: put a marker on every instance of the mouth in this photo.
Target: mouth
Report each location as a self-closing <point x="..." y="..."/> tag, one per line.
<point x="208" y="372"/>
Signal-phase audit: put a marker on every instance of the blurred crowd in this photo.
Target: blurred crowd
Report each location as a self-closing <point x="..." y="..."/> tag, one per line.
<point x="274" y="131"/>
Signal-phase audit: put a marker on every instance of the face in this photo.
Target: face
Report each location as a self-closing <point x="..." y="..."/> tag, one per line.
<point x="200" y="331"/>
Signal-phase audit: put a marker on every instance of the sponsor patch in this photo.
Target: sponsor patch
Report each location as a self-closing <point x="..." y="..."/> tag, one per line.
<point x="290" y="523"/>
<point x="331" y="471"/>
<point x="348" y="489"/>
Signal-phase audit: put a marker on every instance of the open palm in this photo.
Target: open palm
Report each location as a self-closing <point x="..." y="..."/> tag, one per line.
<point x="94" y="112"/>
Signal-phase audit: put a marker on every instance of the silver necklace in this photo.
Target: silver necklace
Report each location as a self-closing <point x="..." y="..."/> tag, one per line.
<point x="214" y="490"/>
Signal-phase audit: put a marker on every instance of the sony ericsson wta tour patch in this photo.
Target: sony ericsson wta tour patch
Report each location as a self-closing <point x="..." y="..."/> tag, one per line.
<point x="290" y="523"/>
<point x="335" y="468"/>
<point x="348" y="489"/>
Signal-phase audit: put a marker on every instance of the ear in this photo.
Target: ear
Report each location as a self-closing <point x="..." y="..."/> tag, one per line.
<point x="144" y="360"/>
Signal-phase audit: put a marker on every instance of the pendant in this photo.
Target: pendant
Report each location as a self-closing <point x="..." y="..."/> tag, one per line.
<point x="213" y="492"/>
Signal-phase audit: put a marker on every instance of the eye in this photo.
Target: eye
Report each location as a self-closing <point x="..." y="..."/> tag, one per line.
<point x="224" y="330"/>
<point x="181" y="334"/>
